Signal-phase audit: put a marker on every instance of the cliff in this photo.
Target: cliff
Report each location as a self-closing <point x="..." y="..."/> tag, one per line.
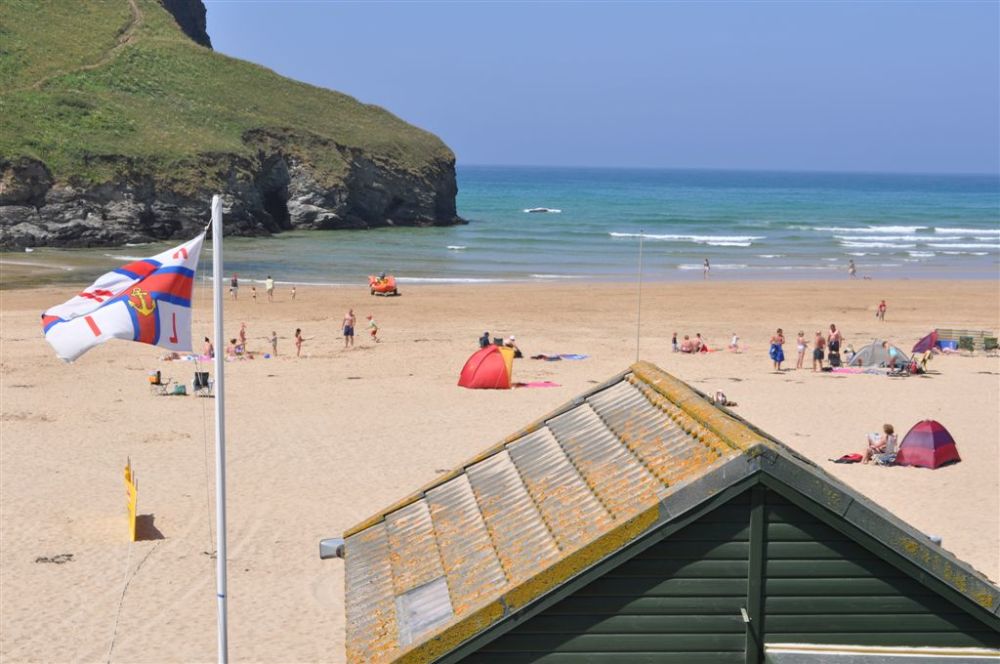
<point x="120" y="122"/>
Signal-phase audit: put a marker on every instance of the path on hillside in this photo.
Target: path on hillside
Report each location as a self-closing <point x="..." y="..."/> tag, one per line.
<point x="127" y="37"/>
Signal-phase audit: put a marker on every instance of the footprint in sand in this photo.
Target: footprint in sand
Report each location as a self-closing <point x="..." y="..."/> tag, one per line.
<point x="58" y="559"/>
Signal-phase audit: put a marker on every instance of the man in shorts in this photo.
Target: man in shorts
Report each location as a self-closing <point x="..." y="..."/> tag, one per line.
<point x="819" y="343"/>
<point x="348" y="326"/>
<point x="269" y="287"/>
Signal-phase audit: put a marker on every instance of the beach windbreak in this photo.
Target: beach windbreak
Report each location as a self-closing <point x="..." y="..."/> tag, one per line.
<point x="148" y="301"/>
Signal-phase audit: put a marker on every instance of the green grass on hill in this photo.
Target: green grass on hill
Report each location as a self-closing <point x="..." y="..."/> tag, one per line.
<point x="80" y="100"/>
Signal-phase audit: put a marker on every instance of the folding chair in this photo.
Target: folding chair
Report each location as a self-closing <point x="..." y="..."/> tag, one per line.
<point x="158" y="386"/>
<point x="202" y="385"/>
<point x="992" y="346"/>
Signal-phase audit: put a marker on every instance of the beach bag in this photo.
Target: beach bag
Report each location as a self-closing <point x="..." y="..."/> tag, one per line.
<point x="849" y="458"/>
<point x="834" y="358"/>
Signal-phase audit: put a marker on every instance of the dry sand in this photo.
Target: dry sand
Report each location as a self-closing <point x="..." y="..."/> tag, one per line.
<point x="318" y="443"/>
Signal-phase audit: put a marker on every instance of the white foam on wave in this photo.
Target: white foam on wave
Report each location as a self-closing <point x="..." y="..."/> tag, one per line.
<point x="556" y="276"/>
<point x="876" y="245"/>
<point x="967" y="231"/>
<point x="962" y="245"/>
<point x="981" y="238"/>
<point x="863" y="253"/>
<point x="806" y="267"/>
<point x="770" y="255"/>
<point x="966" y="253"/>
<point x="895" y="238"/>
<point x="714" y="240"/>
<point x="457" y="247"/>
<point x="722" y="266"/>
<point x="831" y="259"/>
<point x="921" y="254"/>
<point x="448" y="280"/>
<point x="120" y="257"/>
<point x="868" y="229"/>
<point x="137" y="244"/>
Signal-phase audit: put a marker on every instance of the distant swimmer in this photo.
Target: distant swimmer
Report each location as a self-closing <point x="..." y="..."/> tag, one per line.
<point x="706" y="268"/>
<point x="851" y="269"/>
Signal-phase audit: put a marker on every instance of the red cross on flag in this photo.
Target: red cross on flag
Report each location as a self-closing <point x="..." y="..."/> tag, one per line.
<point x="147" y="301"/>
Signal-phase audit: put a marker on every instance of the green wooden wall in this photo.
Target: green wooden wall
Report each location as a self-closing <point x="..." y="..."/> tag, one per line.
<point x="680" y="600"/>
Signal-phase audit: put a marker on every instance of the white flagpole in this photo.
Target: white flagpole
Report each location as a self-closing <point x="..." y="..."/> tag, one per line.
<point x="220" y="430"/>
<point x="638" y="315"/>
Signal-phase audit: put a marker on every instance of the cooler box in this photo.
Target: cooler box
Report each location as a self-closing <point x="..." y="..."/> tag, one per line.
<point x="947" y="344"/>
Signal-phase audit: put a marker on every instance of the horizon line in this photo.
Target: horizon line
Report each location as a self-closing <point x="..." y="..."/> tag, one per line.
<point x="815" y="171"/>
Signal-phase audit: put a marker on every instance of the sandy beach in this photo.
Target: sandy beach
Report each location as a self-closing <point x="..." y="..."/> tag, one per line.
<point x="319" y="442"/>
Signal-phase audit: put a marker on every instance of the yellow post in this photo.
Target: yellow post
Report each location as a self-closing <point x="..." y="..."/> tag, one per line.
<point x="131" y="492"/>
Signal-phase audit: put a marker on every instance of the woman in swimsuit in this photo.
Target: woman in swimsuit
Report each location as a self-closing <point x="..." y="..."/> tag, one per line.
<point x="298" y="341"/>
<point x="800" y="346"/>
<point x="776" y="352"/>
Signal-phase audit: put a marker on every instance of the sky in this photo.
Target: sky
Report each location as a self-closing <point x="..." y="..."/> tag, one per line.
<point x="854" y="86"/>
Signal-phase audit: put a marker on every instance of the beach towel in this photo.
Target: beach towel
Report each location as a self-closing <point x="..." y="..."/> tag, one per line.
<point x="555" y="357"/>
<point x="849" y="458"/>
<point x="538" y="383"/>
<point x="777" y="353"/>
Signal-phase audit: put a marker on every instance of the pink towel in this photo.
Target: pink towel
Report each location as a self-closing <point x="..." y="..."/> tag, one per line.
<point x="538" y="383"/>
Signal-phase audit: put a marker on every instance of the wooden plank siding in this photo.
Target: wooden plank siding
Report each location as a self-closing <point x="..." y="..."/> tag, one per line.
<point x="680" y="599"/>
<point x="677" y="601"/>
<point x="821" y="587"/>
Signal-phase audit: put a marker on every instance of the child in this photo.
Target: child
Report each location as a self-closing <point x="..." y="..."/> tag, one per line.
<point x="673" y="343"/>
<point x="293" y="292"/>
<point x="298" y="341"/>
<point x="734" y="343"/>
<point x="274" y="343"/>
<point x="373" y="328"/>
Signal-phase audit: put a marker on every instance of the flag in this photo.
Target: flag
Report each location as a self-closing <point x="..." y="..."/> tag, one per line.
<point x="148" y="301"/>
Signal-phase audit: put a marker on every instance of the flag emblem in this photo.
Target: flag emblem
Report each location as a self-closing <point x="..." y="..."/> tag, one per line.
<point x="141" y="301"/>
<point x="148" y="301"/>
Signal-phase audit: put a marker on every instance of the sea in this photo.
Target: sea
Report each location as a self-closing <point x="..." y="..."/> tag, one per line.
<point x="611" y="224"/>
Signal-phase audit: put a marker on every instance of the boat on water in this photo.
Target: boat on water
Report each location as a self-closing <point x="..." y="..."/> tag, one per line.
<point x="537" y="210"/>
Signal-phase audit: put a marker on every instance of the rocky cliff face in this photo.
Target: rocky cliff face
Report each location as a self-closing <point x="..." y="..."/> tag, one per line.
<point x="191" y="16"/>
<point x="271" y="193"/>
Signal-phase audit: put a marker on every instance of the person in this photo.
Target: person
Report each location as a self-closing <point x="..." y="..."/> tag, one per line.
<point x="880" y="314"/>
<point x="234" y="287"/>
<point x="209" y="348"/>
<point x="243" y="335"/>
<point x="699" y="343"/>
<point x="673" y="343"/>
<point x="881" y="448"/>
<point x="274" y="343"/>
<point x="734" y="343"/>
<point x="777" y="352"/>
<point x="833" y="345"/>
<point x="721" y="399"/>
<point x="253" y="294"/>
<point x="484" y="340"/>
<point x="706" y="268"/>
<point x="298" y="341"/>
<point x="293" y="292"/>
<point x="373" y="328"/>
<point x="819" y="343"/>
<point x="269" y="288"/>
<point x="800" y="347"/>
<point x="851" y="269"/>
<point x="893" y="353"/>
<point x="687" y="346"/>
<point x="348" y="327"/>
<point x="510" y="343"/>
<point x="231" y="350"/>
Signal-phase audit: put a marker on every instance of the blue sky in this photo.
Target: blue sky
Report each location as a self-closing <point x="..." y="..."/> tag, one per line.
<point x="873" y="86"/>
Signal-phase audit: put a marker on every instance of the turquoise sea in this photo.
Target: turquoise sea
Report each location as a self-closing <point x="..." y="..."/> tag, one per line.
<point x="750" y="225"/>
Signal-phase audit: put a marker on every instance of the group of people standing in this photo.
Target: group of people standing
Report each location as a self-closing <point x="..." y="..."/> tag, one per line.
<point x="822" y="345"/>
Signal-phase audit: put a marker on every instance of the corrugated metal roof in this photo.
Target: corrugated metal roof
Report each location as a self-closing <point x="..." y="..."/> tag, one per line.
<point x="505" y="518"/>
<point x="526" y="516"/>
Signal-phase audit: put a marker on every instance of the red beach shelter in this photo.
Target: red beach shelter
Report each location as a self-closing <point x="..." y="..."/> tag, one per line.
<point x="927" y="444"/>
<point x="488" y="368"/>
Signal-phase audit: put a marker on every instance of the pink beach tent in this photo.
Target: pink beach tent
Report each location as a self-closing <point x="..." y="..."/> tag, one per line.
<point x="927" y="444"/>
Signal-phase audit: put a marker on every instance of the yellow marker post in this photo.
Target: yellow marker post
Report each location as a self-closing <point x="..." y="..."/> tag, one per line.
<point x="132" y="493"/>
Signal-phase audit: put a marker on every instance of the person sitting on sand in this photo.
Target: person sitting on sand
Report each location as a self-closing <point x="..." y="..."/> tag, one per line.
<point x="209" y="350"/>
<point x="893" y="353"/>
<point x="231" y="353"/>
<point x="509" y="343"/>
<point x="687" y="346"/>
<point x="881" y="448"/>
<point x="484" y="340"/>
<point x="699" y="343"/>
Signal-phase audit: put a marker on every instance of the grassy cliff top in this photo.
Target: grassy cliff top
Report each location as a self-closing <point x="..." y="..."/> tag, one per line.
<point x="87" y="87"/>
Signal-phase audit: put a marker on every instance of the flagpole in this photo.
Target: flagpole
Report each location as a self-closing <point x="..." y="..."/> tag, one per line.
<point x="220" y="430"/>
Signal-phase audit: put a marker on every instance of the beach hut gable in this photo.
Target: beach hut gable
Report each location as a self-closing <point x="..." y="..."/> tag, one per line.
<point x="640" y="518"/>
